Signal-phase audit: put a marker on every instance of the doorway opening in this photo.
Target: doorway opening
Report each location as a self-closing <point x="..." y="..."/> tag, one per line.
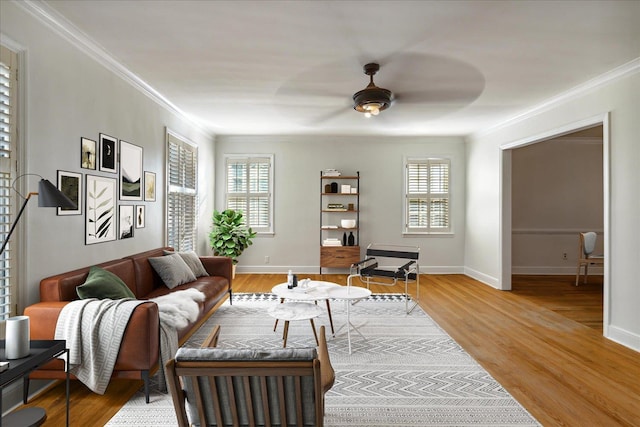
<point x="555" y="186"/>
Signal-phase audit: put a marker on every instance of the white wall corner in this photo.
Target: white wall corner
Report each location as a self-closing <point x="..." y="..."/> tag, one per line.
<point x="623" y="337"/>
<point x="484" y="278"/>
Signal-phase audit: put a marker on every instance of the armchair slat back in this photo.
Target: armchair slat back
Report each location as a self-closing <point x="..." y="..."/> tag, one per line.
<point x="280" y="387"/>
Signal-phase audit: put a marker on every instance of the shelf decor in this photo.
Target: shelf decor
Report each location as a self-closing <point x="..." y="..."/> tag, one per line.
<point x="339" y="249"/>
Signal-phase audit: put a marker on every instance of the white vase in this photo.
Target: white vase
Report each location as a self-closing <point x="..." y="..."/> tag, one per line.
<point x="17" y="344"/>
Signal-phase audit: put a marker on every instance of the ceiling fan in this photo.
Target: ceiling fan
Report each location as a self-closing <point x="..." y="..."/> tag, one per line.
<point x="425" y="87"/>
<point x="372" y="99"/>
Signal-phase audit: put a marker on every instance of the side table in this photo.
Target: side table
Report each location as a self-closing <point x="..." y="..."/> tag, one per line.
<point x="41" y="352"/>
<point x="350" y="294"/>
<point x="289" y="311"/>
<point x="316" y="290"/>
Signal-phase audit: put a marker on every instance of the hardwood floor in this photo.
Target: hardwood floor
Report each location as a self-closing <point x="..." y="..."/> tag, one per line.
<point x="542" y="342"/>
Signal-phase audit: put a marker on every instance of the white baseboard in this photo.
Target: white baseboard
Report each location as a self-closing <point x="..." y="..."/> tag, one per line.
<point x="481" y="277"/>
<point x="314" y="269"/>
<point x="624" y="337"/>
<point x="555" y="271"/>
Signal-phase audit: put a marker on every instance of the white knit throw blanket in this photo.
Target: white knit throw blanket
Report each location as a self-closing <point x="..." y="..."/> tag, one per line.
<point x="93" y="330"/>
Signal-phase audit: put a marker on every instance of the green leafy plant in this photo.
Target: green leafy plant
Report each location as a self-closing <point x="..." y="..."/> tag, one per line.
<point x="230" y="237"/>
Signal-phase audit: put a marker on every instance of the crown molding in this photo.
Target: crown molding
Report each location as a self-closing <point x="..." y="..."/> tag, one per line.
<point x="63" y="27"/>
<point x="610" y="76"/>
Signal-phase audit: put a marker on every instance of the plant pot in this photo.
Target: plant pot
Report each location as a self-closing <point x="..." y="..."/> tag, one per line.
<point x="233" y="271"/>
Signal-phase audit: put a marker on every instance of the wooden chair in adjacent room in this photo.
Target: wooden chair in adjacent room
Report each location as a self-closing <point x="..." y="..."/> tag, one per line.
<point x="250" y="387"/>
<point x="585" y="254"/>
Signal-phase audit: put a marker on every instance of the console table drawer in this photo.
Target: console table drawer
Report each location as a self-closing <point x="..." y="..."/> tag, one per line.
<point x="339" y="256"/>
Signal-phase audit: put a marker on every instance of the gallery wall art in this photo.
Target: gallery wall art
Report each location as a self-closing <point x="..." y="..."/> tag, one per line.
<point x="108" y="153"/>
<point x="126" y="222"/>
<point x="100" y="198"/>
<point x="70" y="184"/>
<point x="130" y="171"/>
<point x="88" y="153"/>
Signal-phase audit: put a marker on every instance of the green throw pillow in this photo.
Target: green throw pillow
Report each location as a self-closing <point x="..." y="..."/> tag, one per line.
<point x="103" y="284"/>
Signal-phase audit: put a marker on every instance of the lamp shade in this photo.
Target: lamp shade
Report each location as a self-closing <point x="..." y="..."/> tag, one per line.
<point x="49" y="196"/>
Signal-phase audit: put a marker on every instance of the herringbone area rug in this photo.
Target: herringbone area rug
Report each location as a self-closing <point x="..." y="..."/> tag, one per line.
<point x="405" y="372"/>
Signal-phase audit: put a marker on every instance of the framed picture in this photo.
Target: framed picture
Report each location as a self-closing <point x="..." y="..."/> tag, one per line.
<point x="87" y="153"/>
<point x="130" y="171"/>
<point x="149" y="186"/>
<point x="125" y="229"/>
<point x="139" y="216"/>
<point x="70" y="184"/>
<point x="101" y="195"/>
<point x="108" y="153"/>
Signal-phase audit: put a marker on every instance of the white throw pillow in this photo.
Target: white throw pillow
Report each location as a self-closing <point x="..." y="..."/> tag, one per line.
<point x="172" y="270"/>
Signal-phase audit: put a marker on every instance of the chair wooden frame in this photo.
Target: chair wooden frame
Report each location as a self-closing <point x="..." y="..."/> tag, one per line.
<point x="370" y="272"/>
<point x="585" y="257"/>
<point x="232" y="371"/>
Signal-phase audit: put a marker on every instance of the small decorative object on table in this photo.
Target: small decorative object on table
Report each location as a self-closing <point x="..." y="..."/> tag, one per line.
<point x="351" y="239"/>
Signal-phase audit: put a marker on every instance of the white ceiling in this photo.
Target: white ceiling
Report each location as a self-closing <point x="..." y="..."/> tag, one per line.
<point x="291" y="67"/>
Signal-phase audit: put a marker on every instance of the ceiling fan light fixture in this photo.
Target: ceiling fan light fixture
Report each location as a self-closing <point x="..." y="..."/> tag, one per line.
<point x="372" y="99"/>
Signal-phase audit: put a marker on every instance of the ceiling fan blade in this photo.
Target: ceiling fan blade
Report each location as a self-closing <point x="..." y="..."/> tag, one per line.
<point x="319" y="120"/>
<point x="438" y="96"/>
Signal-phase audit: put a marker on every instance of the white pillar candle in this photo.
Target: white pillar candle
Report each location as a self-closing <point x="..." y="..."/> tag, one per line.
<point x="17" y="344"/>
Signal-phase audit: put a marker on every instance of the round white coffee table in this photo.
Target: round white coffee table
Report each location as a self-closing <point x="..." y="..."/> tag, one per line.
<point x="290" y="311"/>
<point x="350" y="294"/>
<point x="316" y="290"/>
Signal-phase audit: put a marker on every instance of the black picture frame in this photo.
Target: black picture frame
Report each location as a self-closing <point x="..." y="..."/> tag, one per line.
<point x="149" y="186"/>
<point x="131" y="173"/>
<point x="70" y="184"/>
<point x="101" y="196"/>
<point x="108" y="153"/>
<point x="126" y="222"/>
<point x="88" y="153"/>
<point x="140" y="216"/>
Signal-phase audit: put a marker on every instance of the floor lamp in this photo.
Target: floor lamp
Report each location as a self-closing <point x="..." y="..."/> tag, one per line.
<point x="17" y="339"/>
<point x="48" y="197"/>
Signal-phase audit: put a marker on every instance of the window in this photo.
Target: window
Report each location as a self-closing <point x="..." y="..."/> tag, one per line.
<point x="250" y="190"/>
<point x="182" y="193"/>
<point x="8" y="97"/>
<point x="427" y="207"/>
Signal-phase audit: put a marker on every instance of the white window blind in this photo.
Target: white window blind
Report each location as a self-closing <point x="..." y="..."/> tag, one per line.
<point x="182" y="193"/>
<point x="8" y="86"/>
<point x="427" y="195"/>
<point x="250" y="190"/>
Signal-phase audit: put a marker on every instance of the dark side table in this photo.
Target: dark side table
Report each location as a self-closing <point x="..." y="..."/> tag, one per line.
<point x="41" y="352"/>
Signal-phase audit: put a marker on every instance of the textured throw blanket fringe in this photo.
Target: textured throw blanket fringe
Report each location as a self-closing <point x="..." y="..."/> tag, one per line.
<point x="93" y="330"/>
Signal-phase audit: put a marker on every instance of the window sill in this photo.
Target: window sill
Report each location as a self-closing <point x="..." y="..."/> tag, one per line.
<point x="430" y="234"/>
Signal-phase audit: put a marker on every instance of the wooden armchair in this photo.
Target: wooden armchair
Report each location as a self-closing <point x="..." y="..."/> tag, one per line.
<point x="225" y="387"/>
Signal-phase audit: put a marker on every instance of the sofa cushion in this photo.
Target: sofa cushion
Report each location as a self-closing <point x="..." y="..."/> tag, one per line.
<point x="193" y="261"/>
<point x="103" y="284"/>
<point x="172" y="270"/>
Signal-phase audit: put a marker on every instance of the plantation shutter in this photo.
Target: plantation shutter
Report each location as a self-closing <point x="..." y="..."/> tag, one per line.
<point x="182" y="194"/>
<point x="427" y="196"/>
<point x="249" y="184"/>
<point x="8" y="139"/>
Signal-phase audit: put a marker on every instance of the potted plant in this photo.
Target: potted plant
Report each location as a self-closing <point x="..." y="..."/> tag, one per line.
<point x="230" y="236"/>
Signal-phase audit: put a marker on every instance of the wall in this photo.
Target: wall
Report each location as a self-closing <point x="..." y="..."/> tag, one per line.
<point x="68" y="96"/>
<point x="298" y="162"/>
<point x="620" y="97"/>
<point x="556" y="193"/>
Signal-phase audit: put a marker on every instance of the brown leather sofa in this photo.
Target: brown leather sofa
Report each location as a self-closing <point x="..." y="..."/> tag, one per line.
<point x="139" y="351"/>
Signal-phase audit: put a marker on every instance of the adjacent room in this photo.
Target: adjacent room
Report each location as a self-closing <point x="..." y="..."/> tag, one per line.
<point x="340" y="213"/>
